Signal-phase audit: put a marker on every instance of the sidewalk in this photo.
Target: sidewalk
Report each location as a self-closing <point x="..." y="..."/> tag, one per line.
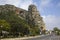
<point x="22" y="38"/>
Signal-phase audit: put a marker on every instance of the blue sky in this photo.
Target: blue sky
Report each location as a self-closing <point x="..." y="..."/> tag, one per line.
<point x="49" y="10"/>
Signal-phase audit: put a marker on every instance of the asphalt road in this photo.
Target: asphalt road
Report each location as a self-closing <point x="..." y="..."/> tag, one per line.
<point x="44" y="37"/>
<point x="48" y="37"/>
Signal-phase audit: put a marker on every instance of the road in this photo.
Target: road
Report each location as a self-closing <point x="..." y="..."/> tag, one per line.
<point x="49" y="37"/>
<point x="45" y="37"/>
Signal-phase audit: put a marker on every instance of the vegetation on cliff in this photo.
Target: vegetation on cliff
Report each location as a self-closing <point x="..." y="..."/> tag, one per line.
<point x="14" y="25"/>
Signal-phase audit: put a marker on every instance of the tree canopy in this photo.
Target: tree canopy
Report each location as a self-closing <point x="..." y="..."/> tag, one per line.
<point x="10" y="21"/>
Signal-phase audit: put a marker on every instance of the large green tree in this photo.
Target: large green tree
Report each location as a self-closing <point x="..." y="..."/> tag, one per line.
<point x="57" y="30"/>
<point x="4" y="25"/>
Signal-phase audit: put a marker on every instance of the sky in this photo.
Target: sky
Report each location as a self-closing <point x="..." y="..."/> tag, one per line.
<point x="48" y="9"/>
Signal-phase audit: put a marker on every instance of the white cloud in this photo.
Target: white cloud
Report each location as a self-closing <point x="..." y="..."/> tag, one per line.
<point x="51" y="21"/>
<point x="45" y="3"/>
<point x="24" y="4"/>
<point x="19" y="3"/>
<point x="13" y="2"/>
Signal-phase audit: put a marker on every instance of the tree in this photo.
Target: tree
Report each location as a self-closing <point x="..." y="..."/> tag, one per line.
<point x="57" y="30"/>
<point x="4" y="28"/>
<point x="5" y="25"/>
<point x="15" y="25"/>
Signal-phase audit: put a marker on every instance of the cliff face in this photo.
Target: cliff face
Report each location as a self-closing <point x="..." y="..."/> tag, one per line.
<point x="31" y="16"/>
<point x="20" y="12"/>
<point x="35" y="18"/>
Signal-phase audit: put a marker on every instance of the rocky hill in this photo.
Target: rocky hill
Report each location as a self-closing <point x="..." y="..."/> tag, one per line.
<point x="14" y="21"/>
